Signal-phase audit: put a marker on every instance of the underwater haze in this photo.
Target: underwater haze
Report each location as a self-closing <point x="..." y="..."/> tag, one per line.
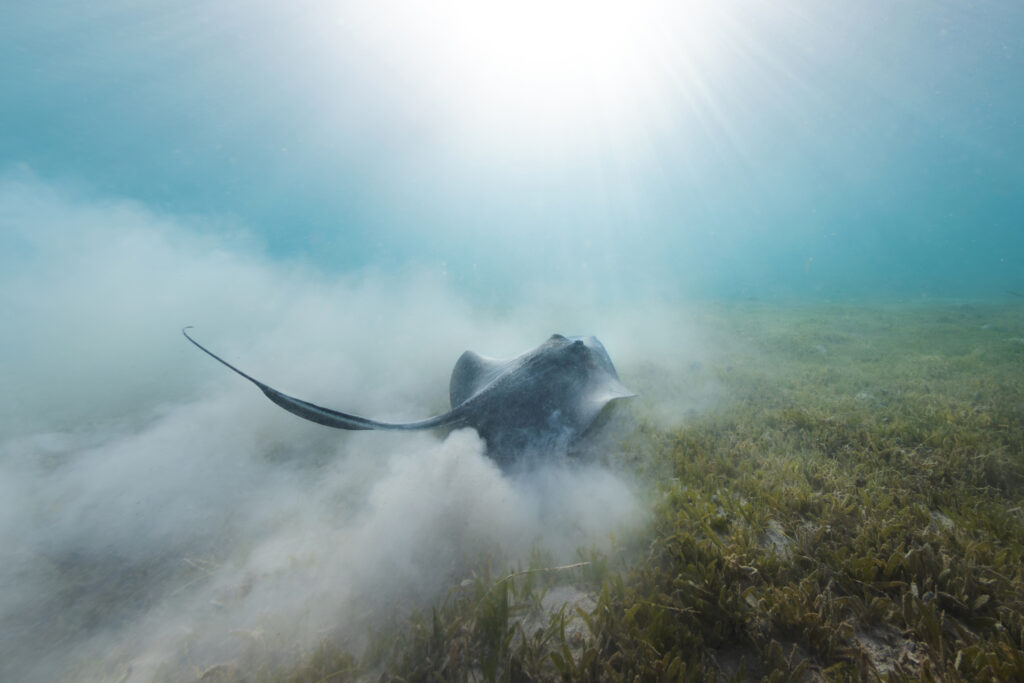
<point x="344" y="196"/>
<point x="692" y="148"/>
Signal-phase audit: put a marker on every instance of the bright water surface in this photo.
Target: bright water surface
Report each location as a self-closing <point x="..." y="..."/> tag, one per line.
<point x="765" y="149"/>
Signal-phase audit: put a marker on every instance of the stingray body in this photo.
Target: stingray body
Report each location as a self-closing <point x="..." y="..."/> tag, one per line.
<point x="539" y="402"/>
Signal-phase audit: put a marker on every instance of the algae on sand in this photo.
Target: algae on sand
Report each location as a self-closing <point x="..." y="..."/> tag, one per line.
<point x="853" y="509"/>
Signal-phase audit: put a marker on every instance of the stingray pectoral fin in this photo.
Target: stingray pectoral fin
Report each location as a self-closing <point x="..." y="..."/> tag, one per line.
<point x="327" y="416"/>
<point x="616" y="389"/>
<point x="472" y="373"/>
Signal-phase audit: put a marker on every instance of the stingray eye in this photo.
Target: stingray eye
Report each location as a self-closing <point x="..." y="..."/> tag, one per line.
<point x="557" y="338"/>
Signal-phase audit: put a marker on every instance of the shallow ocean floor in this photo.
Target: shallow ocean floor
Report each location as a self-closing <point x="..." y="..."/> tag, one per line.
<point x="852" y="508"/>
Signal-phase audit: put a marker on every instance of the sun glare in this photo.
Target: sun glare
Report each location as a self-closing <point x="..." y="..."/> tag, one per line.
<point x="534" y="67"/>
<point x="561" y="52"/>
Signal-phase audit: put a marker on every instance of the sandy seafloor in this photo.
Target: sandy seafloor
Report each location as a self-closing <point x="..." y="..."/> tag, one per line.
<point x="180" y="536"/>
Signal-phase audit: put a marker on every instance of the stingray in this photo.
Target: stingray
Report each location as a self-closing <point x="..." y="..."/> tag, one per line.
<point x="539" y="402"/>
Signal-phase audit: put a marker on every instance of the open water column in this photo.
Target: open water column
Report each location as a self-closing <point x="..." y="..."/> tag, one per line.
<point x="795" y="228"/>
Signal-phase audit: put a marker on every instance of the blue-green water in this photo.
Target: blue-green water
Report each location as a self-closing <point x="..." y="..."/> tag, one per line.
<point x="881" y="140"/>
<point x="343" y="197"/>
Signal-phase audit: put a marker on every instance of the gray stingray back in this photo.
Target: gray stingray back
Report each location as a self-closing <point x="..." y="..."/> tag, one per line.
<point x="538" y="403"/>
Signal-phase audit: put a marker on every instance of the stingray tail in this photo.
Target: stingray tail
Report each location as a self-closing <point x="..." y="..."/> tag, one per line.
<point x="304" y="409"/>
<point x="319" y="414"/>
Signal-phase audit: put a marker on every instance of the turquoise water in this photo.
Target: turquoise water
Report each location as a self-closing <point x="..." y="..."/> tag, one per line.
<point x="770" y="149"/>
<point x="343" y="197"/>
